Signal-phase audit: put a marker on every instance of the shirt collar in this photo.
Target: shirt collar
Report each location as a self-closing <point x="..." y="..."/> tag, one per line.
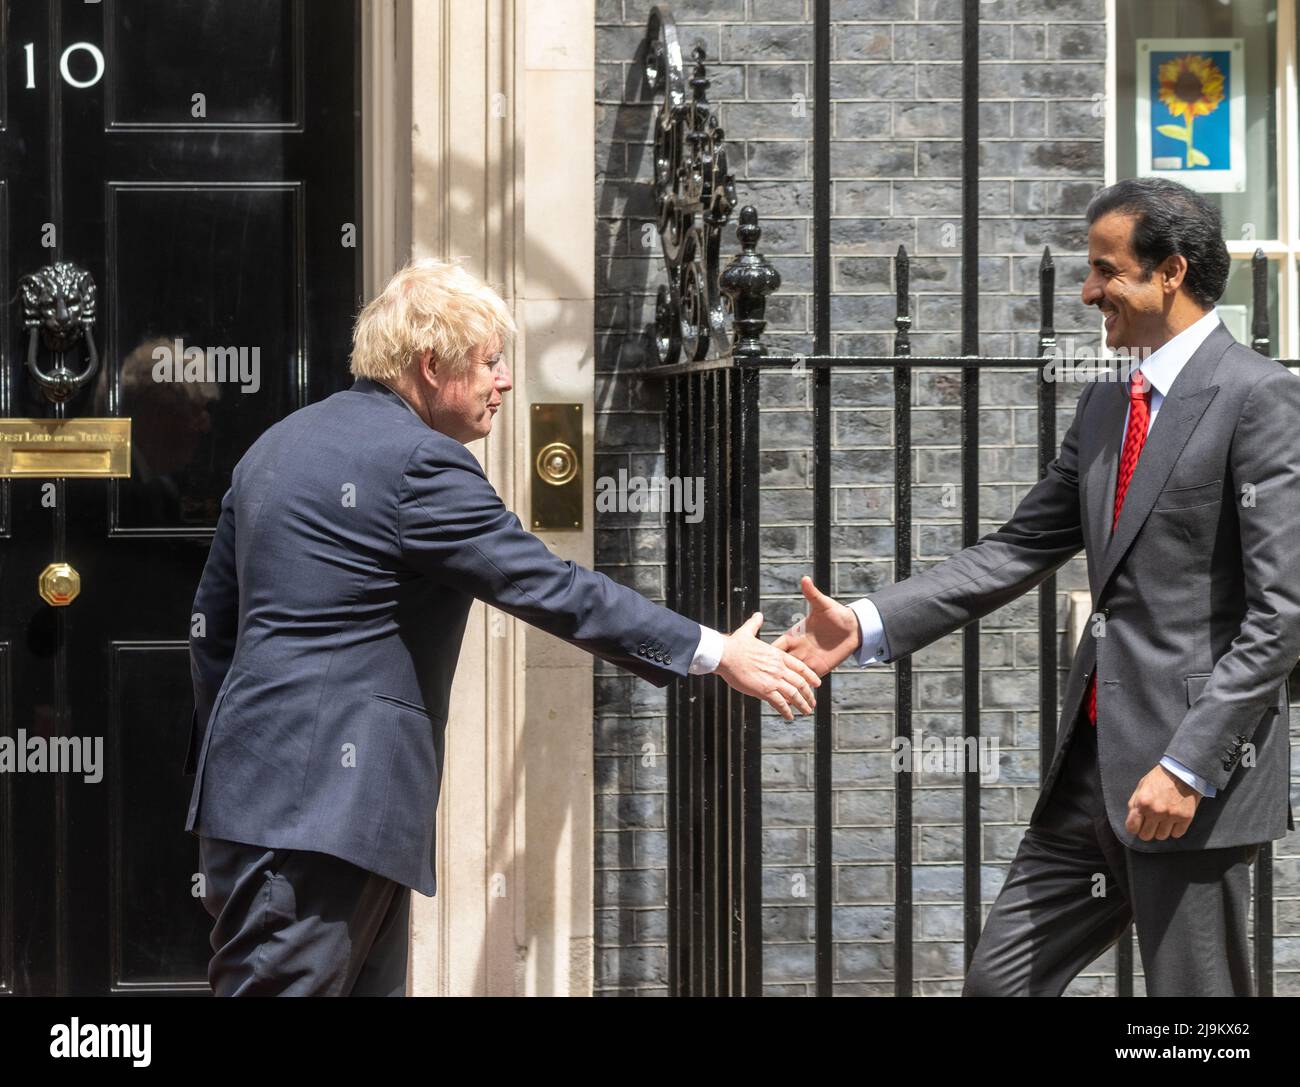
<point x="401" y="398"/>
<point x="1166" y="362"/>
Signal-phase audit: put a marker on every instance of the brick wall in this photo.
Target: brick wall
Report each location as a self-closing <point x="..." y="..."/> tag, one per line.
<point x="895" y="159"/>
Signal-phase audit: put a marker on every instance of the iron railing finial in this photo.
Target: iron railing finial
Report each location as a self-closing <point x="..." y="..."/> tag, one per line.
<point x="747" y="281"/>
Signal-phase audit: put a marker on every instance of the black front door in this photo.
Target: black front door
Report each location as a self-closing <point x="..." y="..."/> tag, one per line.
<point x="195" y="164"/>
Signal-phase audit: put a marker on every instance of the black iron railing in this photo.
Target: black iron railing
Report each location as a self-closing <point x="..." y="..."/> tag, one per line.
<point x="708" y="335"/>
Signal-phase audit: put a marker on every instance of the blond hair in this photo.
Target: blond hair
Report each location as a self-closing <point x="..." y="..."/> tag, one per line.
<point x="430" y="305"/>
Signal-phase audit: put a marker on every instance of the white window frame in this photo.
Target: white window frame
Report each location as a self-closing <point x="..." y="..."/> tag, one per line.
<point x="1284" y="250"/>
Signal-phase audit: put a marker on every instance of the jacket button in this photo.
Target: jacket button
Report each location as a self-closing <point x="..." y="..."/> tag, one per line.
<point x="1105" y="613"/>
<point x="668" y="659"/>
<point x="1227" y="764"/>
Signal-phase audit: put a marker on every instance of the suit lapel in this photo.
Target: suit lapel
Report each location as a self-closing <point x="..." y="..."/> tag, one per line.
<point x="1102" y="470"/>
<point x="1183" y="406"/>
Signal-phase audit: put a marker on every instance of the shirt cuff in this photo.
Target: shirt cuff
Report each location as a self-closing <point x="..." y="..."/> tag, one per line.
<point x="708" y="654"/>
<point x="1190" y="777"/>
<point x="874" y="648"/>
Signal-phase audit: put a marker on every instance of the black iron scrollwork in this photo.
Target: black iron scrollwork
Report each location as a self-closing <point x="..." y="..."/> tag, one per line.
<point x="59" y="309"/>
<point x="695" y="194"/>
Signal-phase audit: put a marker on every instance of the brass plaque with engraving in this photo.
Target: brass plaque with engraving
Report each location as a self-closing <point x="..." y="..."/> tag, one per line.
<point x="65" y="448"/>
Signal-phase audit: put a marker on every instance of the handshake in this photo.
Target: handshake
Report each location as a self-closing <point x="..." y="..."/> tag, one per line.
<point x="784" y="673"/>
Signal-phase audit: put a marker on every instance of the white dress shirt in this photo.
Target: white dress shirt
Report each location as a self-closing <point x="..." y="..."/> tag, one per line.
<point x="708" y="654"/>
<point x="1160" y="368"/>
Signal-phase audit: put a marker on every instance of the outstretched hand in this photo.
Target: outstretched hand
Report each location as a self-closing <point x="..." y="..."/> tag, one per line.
<point x="751" y="666"/>
<point x="827" y="636"/>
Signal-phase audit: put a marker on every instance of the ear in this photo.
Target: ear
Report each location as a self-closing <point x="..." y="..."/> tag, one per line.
<point x="1173" y="272"/>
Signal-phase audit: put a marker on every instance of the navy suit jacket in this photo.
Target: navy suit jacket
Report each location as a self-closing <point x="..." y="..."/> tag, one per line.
<point x="329" y="620"/>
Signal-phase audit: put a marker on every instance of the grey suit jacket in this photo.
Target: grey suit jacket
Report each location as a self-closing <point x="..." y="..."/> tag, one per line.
<point x="349" y="548"/>
<point x="1198" y="588"/>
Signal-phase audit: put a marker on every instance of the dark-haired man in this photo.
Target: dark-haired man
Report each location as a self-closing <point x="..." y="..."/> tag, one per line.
<point x="1182" y="483"/>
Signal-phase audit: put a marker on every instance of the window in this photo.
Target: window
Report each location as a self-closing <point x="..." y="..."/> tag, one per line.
<point x="1218" y="79"/>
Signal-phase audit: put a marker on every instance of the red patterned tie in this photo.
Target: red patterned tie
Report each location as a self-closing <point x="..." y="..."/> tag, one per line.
<point x="1134" y="438"/>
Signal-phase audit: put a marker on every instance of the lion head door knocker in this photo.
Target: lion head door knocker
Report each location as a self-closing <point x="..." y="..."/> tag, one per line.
<point x="59" y="308"/>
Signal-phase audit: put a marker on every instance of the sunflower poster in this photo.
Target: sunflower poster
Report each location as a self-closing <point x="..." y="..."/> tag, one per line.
<point x="1191" y="112"/>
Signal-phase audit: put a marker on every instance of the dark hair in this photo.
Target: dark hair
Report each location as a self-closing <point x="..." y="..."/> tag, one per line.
<point x="1169" y="219"/>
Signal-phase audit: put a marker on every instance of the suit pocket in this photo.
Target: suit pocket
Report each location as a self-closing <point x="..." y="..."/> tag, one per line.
<point x="1195" y="685"/>
<point x="1180" y="498"/>
<point x="410" y="781"/>
<point x="192" y="755"/>
<point x="1196" y="682"/>
<point x="401" y="703"/>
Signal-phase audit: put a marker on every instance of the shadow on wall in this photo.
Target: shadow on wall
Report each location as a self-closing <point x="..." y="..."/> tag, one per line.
<point x="630" y="198"/>
<point x="625" y="207"/>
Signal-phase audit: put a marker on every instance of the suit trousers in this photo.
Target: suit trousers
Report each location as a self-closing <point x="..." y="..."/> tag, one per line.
<point x="290" y="922"/>
<point x="1074" y="888"/>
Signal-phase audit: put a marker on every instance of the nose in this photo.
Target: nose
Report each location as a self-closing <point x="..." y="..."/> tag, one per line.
<point x="502" y="378"/>
<point x="1092" y="292"/>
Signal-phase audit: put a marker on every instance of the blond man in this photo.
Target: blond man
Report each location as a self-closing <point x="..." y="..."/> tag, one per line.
<point x="355" y="535"/>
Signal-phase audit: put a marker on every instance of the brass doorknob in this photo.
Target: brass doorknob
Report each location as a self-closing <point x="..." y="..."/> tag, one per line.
<point x="59" y="584"/>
